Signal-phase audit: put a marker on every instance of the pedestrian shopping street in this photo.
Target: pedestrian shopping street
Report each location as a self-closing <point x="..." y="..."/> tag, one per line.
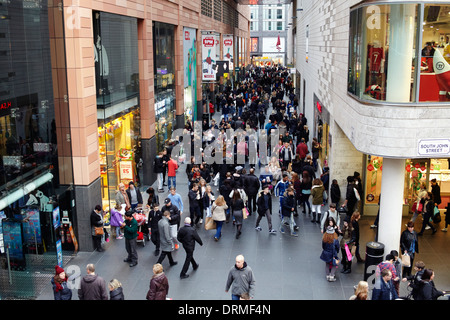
<point x="285" y="267"/>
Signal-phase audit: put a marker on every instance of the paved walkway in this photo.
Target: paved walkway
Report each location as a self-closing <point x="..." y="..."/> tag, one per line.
<point x="285" y="267"/>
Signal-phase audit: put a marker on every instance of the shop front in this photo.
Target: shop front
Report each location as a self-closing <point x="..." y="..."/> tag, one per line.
<point x="118" y="109"/>
<point x="164" y="68"/>
<point x="417" y="171"/>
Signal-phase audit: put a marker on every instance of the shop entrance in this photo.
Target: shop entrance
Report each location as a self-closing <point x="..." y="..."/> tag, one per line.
<point x="417" y="172"/>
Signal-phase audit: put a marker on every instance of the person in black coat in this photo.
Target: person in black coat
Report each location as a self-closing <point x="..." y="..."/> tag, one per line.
<point x="96" y="219"/>
<point x="251" y="188"/>
<point x="426" y="289"/>
<point x="288" y="209"/>
<point x="115" y="290"/>
<point x="335" y="192"/>
<point x="194" y="204"/>
<point x="188" y="236"/>
<point x="428" y="213"/>
<point x="409" y="245"/>
<point x="59" y="283"/>
<point x="264" y="204"/>
<point x="154" y="216"/>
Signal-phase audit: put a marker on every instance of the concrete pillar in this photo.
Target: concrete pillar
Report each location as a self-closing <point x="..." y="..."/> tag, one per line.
<point x="391" y="204"/>
<point x="401" y="38"/>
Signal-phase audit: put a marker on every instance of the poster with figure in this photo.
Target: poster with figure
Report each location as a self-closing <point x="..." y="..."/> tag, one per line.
<point x="227" y="50"/>
<point x="190" y="72"/>
<point x="208" y="57"/>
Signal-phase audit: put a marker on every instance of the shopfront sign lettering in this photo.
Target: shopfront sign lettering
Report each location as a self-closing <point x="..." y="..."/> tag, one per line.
<point x="208" y="42"/>
<point x="373" y="17"/>
<point x="434" y="147"/>
<point x="160" y="107"/>
<point x="5" y="105"/>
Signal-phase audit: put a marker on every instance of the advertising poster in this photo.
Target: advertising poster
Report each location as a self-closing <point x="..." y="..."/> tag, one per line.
<point x="32" y="228"/>
<point x="227" y="50"/>
<point x="12" y="240"/>
<point x="190" y="72"/>
<point x="208" y="57"/>
<point x="56" y="218"/>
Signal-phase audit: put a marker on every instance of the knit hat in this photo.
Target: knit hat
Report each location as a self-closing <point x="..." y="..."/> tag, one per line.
<point x="330" y="229"/>
<point x="59" y="270"/>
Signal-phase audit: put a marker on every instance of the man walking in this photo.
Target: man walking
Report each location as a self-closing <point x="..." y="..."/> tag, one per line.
<point x="130" y="227"/>
<point x="188" y="236"/>
<point x="174" y="219"/>
<point x="264" y="203"/>
<point x="240" y="279"/>
<point x="165" y="238"/>
<point x="251" y="187"/>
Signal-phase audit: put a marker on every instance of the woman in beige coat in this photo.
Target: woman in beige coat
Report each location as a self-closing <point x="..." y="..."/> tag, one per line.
<point x="218" y="214"/>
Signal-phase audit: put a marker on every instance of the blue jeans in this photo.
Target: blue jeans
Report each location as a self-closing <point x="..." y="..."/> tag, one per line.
<point x="291" y="223"/>
<point x="235" y="297"/>
<point x="171" y="181"/>
<point x="218" y="229"/>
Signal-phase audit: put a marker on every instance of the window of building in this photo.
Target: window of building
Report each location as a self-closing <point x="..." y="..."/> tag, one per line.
<point x="280" y="25"/>
<point x="400" y="52"/>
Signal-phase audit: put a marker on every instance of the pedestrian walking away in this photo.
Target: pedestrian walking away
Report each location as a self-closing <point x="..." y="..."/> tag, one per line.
<point x="188" y="236"/>
<point x="92" y="286"/>
<point x="165" y="238"/>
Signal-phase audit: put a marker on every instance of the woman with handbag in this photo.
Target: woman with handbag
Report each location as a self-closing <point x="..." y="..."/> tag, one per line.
<point x="346" y="240"/>
<point x="218" y="214"/>
<point x="330" y="249"/>
<point x="97" y="227"/>
<point x="409" y="245"/>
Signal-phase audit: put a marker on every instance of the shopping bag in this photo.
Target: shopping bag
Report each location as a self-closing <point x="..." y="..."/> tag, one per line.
<point x="245" y="213"/>
<point x="210" y="224"/>
<point x="349" y="254"/>
<point x="406" y="260"/>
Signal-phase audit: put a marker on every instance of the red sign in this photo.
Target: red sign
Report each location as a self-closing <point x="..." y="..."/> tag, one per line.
<point x="209" y="42"/>
<point x="228" y="42"/>
<point x="319" y="107"/>
<point x="187" y="35"/>
<point x="5" y="105"/>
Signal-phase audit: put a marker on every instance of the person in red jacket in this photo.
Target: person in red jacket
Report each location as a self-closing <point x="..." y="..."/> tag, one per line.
<point x="302" y="149"/>
<point x="172" y="167"/>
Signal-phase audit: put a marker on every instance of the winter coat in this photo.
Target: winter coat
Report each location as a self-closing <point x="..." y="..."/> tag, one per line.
<point x="218" y="212"/>
<point x="130" y="229"/>
<point x="317" y="194"/>
<point x="329" y="251"/>
<point x="165" y="238"/>
<point x="261" y="203"/>
<point x="174" y="214"/>
<point x="251" y="184"/>
<point x="427" y="291"/>
<point x="92" y="287"/>
<point x="335" y="194"/>
<point x="96" y="221"/>
<point x="116" y="218"/>
<point x="241" y="281"/>
<point x="116" y="294"/>
<point x="384" y="291"/>
<point x="158" y="165"/>
<point x="64" y="294"/>
<point x="188" y="236"/>
<point x="406" y="240"/>
<point x="289" y="202"/>
<point x="159" y="287"/>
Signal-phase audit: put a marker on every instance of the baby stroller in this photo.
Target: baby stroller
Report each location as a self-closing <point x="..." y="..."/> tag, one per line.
<point x="142" y="226"/>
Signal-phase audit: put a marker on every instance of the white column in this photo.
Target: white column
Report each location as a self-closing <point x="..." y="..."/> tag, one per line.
<point x="401" y="40"/>
<point x="391" y="204"/>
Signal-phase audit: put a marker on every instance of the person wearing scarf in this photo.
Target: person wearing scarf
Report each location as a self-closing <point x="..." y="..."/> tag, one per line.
<point x="59" y="282"/>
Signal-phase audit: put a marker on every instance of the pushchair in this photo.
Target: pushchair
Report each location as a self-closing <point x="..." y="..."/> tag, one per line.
<point x="142" y="226"/>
